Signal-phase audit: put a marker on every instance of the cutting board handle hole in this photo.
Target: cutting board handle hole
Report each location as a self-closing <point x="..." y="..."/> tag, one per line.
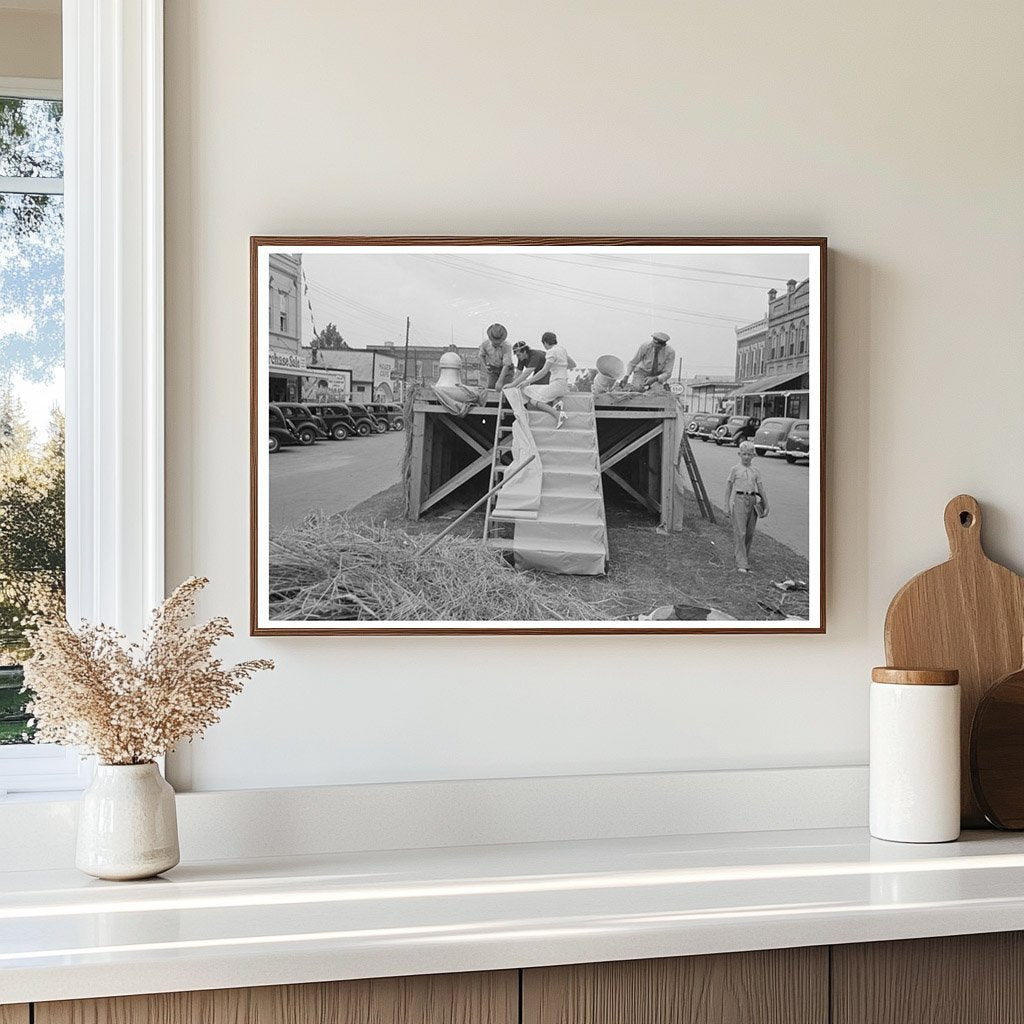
<point x="966" y="519"/>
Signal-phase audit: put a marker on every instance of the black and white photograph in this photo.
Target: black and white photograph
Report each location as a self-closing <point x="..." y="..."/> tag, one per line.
<point x="537" y="435"/>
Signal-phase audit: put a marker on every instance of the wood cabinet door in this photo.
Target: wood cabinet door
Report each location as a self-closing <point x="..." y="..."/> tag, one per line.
<point x="960" y="979"/>
<point x="777" y="986"/>
<point x="482" y="998"/>
<point x="14" y="1014"/>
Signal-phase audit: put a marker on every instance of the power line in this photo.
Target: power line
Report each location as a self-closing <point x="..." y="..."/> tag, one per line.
<point x="646" y="306"/>
<point x="670" y="277"/>
<point x="369" y="314"/>
<point x="358" y="308"/>
<point x="598" y="299"/>
<point x="636" y="261"/>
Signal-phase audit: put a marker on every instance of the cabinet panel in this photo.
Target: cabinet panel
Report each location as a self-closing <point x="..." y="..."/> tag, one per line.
<point x="962" y="979"/>
<point x="482" y="998"/>
<point x="14" y="1014"/>
<point x="778" y="986"/>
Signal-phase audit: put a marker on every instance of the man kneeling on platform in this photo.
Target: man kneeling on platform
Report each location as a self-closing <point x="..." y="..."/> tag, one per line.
<point x="652" y="363"/>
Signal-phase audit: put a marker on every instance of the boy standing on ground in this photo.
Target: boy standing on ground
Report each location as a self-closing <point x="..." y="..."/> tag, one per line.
<point x="744" y="488"/>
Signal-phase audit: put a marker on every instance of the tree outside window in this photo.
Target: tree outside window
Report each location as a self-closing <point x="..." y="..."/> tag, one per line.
<point x="31" y="386"/>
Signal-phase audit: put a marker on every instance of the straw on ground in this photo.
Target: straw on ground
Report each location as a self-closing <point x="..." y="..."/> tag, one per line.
<point x="332" y="568"/>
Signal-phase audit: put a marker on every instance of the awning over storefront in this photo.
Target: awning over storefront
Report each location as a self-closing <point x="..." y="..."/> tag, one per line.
<point x="766" y="384"/>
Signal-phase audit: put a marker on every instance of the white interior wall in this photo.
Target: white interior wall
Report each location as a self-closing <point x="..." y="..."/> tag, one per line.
<point x="895" y="129"/>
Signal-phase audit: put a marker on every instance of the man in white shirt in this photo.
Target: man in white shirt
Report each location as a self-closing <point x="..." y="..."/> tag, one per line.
<point x="653" y="363"/>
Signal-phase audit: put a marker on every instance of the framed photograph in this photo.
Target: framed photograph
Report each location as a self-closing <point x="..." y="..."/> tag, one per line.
<point x="537" y="435"/>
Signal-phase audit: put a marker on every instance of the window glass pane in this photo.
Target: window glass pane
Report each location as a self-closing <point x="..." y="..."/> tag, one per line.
<point x="31" y="138"/>
<point x="31" y="431"/>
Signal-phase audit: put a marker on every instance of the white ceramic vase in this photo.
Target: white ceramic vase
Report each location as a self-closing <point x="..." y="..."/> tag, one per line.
<point x="127" y="825"/>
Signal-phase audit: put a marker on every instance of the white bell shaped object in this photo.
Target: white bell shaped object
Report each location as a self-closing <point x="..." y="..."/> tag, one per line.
<point x="450" y="370"/>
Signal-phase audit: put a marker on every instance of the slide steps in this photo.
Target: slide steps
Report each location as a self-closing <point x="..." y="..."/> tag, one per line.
<point x="569" y="534"/>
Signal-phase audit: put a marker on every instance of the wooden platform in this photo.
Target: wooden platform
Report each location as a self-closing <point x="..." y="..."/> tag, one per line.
<point x="637" y="442"/>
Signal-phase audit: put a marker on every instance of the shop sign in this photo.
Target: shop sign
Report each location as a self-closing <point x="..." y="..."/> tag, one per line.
<point x="326" y="385"/>
<point x="286" y="360"/>
<point x="383" y="370"/>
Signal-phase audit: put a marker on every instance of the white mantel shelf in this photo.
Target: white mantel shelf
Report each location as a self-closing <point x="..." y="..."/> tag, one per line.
<point x="225" y="924"/>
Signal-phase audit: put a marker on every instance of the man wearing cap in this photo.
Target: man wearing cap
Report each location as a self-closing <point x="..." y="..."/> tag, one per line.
<point x="652" y="363"/>
<point x="496" y="357"/>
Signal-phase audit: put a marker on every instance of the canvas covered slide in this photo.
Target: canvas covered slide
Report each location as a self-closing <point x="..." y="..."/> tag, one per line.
<point x="569" y="534"/>
<point x="520" y="497"/>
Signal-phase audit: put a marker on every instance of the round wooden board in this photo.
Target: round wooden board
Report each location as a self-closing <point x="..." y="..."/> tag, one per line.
<point x="997" y="753"/>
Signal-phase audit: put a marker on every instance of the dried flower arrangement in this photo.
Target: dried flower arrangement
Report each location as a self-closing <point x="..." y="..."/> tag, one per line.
<point x="130" y="703"/>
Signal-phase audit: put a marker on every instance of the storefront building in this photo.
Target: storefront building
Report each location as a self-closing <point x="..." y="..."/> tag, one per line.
<point x="708" y="394"/>
<point x="773" y="358"/>
<point x="419" y="363"/>
<point x="751" y="349"/>
<point x="370" y="371"/>
<point x="286" y="360"/>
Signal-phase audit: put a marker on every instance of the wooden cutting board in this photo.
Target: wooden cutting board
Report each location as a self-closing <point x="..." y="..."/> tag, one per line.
<point x="967" y="614"/>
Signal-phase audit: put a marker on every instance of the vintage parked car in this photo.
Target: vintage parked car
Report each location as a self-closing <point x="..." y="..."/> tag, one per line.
<point x="798" y="444"/>
<point x="704" y="424"/>
<point x="736" y="429"/>
<point x="366" y="421"/>
<point x="338" y="420"/>
<point x="390" y="413"/>
<point x="308" y="428"/>
<point x="281" y="433"/>
<point x="770" y="438"/>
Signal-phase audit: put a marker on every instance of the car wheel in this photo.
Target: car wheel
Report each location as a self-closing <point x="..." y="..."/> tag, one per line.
<point x="339" y="432"/>
<point x="275" y="444"/>
<point x="382" y="428"/>
<point x="363" y="429"/>
<point x="790" y="458"/>
<point x="307" y="436"/>
<point x="398" y="424"/>
<point x="760" y="451"/>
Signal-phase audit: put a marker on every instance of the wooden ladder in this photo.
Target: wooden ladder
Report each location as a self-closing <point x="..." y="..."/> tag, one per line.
<point x="696" y="480"/>
<point x="501" y="431"/>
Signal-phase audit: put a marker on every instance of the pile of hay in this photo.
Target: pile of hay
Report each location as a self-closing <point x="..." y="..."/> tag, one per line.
<point x="335" y="569"/>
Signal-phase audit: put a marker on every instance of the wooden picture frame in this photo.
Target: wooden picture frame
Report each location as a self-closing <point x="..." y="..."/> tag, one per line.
<point x="327" y="339"/>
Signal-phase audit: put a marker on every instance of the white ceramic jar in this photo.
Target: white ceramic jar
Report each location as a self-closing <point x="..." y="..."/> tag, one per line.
<point x="915" y="755"/>
<point x="127" y="823"/>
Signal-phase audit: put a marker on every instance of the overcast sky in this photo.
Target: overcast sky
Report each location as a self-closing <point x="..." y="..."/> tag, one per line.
<point x="597" y="304"/>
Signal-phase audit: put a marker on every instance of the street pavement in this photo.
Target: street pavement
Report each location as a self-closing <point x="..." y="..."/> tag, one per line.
<point x="786" y="486"/>
<point x="332" y="475"/>
<point x="338" y="475"/>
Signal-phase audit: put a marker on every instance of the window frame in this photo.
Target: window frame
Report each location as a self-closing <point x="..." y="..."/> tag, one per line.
<point x="112" y="90"/>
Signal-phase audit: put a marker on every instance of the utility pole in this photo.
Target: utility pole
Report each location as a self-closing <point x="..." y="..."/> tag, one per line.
<point x="405" y="367"/>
